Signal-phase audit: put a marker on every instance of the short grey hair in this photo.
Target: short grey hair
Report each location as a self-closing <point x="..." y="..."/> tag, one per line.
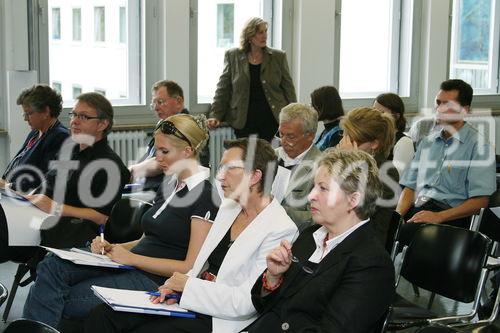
<point x="306" y="114"/>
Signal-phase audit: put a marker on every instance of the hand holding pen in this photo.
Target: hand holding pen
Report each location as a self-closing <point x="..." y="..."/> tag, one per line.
<point x="169" y="296"/>
<point x="99" y="246"/>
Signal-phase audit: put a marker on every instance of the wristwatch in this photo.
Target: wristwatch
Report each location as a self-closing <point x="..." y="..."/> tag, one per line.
<point x="58" y="209"/>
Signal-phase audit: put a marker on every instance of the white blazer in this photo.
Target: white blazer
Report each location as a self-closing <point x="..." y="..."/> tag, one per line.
<point x="228" y="299"/>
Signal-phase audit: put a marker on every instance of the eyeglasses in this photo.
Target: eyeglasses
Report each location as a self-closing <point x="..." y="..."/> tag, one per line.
<point x="81" y="116"/>
<point x="28" y="114"/>
<point x="167" y="127"/>
<point x="306" y="269"/>
<point x="154" y="103"/>
<point x="230" y="166"/>
<point x="287" y="137"/>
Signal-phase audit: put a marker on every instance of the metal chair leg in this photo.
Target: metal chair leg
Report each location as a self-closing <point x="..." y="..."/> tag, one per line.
<point x="22" y="269"/>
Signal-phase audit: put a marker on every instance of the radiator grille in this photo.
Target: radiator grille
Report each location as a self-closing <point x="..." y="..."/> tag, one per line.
<point x="215" y="146"/>
<point x="129" y="145"/>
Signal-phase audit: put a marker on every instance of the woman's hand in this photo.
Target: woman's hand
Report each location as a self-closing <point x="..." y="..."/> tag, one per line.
<point x="279" y="260"/>
<point x="174" y="284"/>
<point x="347" y="143"/>
<point x="97" y="246"/>
<point x="213" y="123"/>
<point x="120" y="255"/>
<point x="42" y="201"/>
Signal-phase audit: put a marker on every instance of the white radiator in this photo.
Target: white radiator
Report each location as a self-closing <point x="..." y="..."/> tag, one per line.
<point x="216" y="146"/>
<point x="129" y="145"/>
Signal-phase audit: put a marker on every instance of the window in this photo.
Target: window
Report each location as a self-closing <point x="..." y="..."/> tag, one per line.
<point x="77" y="24"/>
<point x="474" y="44"/>
<point x="99" y="24"/>
<point x="370" y="52"/>
<point x="77" y="91"/>
<point x="117" y="71"/>
<point x="100" y="91"/>
<point x="219" y="25"/>
<point x="56" y="23"/>
<point x="123" y="25"/>
<point x="225" y="25"/>
<point x="57" y="86"/>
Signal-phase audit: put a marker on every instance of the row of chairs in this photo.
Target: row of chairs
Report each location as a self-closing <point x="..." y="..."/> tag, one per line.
<point x="123" y="226"/>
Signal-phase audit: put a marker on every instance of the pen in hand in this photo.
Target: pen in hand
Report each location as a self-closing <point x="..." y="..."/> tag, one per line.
<point x="101" y="231"/>
<point x="175" y="296"/>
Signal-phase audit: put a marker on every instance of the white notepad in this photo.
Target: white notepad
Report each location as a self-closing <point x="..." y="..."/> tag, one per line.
<point x="138" y="302"/>
<point x="81" y="257"/>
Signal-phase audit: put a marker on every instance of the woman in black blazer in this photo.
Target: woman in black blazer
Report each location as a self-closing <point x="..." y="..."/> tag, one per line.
<point x="337" y="277"/>
<point x="41" y="107"/>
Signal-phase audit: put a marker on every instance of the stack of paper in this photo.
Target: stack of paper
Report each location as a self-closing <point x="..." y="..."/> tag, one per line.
<point x="138" y="302"/>
<point x="81" y="257"/>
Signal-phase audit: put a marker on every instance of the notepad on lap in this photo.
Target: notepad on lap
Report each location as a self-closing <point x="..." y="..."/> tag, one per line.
<point x="81" y="257"/>
<point x="138" y="302"/>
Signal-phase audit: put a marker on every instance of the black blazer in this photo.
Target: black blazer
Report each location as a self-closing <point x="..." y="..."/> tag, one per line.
<point x="350" y="290"/>
<point x="39" y="156"/>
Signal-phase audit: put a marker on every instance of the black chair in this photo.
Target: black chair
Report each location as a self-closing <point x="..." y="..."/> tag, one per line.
<point x="27" y="325"/>
<point x="445" y="260"/>
<point x="392" y="233"/>
<point x="3" y="293"/>
<point x="124" y="223"/>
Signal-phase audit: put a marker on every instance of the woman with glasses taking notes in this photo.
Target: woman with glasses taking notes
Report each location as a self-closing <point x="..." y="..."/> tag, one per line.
<point x="175" y="228"/>
<point x="249" y="224"/>
<point x="336" y="277"/>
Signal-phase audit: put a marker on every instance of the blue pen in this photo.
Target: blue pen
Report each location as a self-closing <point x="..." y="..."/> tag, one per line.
<point x="175" y="296"/>
<point x="101" y="231"/>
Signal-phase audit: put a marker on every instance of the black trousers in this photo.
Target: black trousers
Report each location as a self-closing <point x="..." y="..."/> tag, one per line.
<point x="104" y="319"/>
<point x="436" y="206"/>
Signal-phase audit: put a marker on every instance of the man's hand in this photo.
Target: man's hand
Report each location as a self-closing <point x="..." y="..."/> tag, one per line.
<point x="426" y="216"/>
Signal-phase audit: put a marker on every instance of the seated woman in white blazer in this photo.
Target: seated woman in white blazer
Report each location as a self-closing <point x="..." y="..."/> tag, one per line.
<point x="248" y="225"/>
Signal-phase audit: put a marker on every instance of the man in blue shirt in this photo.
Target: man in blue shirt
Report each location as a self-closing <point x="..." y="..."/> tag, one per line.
<point x="453" y="171"/>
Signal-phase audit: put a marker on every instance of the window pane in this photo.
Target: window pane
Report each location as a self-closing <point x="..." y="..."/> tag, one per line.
<point x="225" y="25"/>
<point x="219" y="27"/>
<point x="365" y="47"/>
<point x="56" y="23"/>
<point x="111" y="65"/>
<point x="99" y="24"/>
<point x="77" y="24"/>
<point x="57" y="86"/>
<point x="471" y="34"/>
<point x="77" y="90"/>
<point x="123" y="25"/>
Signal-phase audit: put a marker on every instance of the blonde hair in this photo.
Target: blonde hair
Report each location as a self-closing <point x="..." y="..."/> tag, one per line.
<point x="249" y="30"/>
<point x="194" y="128"/>
<point x="368" y="124"/>
<point x="354" y="171"/>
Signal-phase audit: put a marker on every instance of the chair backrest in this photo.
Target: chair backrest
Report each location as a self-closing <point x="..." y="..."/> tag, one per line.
<point x="27" y="325"/>
<point x="392" y="233"/>
<point x="446" y="260"/>
<point x="4" y="293"/>
<point x="124" y="223"/>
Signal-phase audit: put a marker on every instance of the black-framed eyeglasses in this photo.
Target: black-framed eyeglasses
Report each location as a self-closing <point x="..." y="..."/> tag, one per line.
<point x="167" y="127"/>
<point x="80" y="116"/>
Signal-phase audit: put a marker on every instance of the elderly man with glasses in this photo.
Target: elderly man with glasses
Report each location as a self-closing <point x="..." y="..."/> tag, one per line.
<point x="297" y="129"/>
<point x="167" y="100"/>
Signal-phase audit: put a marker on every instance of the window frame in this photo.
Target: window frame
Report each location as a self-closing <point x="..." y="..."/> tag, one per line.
<point x="485" y="99"/>
<point x="269" y="7"/>
<point x="151" y="64"/>
<point x="406" y="56"/>
<point x="73" y="9"/>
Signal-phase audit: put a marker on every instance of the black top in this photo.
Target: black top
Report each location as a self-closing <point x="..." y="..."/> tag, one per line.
<point x="38" y="156"/>
<point x="260" y="119"/>
<point x="86" y="175"/>
<point x="168" y="235"/>
<point x="219" y="253"/>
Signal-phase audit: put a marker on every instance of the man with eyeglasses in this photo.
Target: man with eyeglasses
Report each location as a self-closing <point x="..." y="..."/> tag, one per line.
<point x="297" y="129"/>
<point x="81" y="187"/>
<point x="167" y="100"/>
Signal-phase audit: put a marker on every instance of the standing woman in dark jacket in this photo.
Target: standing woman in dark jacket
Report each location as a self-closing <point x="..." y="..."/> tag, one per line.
<point x="326" y="100"/>
<point x="254" y="86"/>
<point x="41" y="107"/>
